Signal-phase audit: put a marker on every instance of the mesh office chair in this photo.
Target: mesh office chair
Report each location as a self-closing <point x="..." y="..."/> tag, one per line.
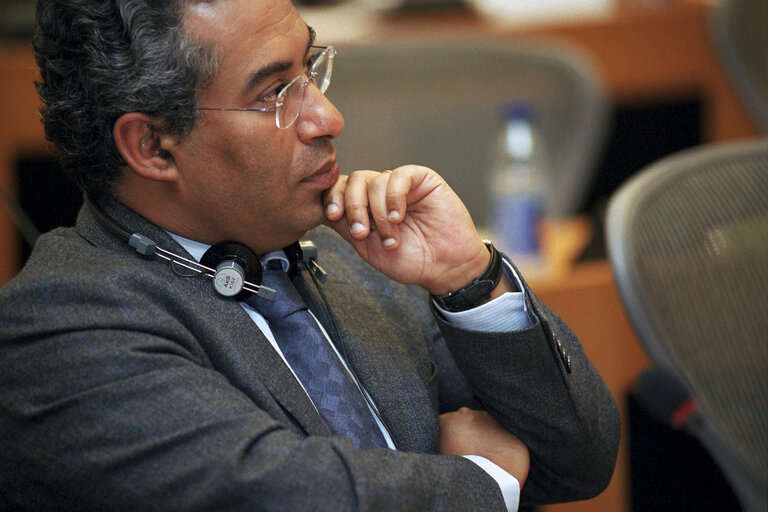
<point x="740" y="32"/>
<point x="439" y="104"/>
<point x="688" y="241"/>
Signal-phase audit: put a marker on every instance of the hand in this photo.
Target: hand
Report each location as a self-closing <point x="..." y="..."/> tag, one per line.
<point x="471" y="432"/>
<point x="408" y="224"/>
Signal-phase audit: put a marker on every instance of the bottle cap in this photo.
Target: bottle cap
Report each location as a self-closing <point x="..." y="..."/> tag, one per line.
<point x="518" y="109"/>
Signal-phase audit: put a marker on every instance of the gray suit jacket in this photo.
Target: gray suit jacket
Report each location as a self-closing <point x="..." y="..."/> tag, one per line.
<point x="126" y="384"/>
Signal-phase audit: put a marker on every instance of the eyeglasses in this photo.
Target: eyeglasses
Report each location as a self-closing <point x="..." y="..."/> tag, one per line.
<point x="290" y="98"/>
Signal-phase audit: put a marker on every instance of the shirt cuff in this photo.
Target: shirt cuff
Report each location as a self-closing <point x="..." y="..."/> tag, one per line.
<point x="510" y="487"/>
<point x="505" y="313"/>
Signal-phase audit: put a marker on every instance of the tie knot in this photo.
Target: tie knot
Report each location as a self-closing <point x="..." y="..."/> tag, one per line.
<point x="287" y="300"/>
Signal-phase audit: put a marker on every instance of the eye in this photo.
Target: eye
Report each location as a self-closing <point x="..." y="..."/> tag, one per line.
<point x="312" y="57"/>
<point x="269" y="97"/>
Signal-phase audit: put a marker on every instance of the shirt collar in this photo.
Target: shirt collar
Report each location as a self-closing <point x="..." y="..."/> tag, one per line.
<point x="197" y="249"/>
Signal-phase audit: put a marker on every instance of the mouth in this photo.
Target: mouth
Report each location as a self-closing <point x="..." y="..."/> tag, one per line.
<point x="324" y="177"/>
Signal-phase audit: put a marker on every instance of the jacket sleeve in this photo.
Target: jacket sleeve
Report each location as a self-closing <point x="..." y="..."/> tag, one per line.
<point x="539" y="384"/>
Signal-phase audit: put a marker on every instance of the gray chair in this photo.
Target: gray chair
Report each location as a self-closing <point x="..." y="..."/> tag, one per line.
<point x="439" y="104"/>
<point x="688" y="242"/>
<point x="740" y="32"/>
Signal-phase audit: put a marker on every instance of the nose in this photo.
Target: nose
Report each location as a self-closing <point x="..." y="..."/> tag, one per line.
<point x="318" y="117"/>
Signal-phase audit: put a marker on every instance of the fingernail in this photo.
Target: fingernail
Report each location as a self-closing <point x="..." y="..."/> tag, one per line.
<point x="356" y="228"/>
<point x="393" y="215"/>
<point x="388" y="242"/>
<point x="332" y="209"/>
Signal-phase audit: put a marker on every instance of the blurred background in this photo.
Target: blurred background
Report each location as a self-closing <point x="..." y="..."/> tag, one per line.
<point x="608" y="87"/>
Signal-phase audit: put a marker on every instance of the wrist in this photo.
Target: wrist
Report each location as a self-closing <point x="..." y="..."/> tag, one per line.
<point x="477" y="291"/>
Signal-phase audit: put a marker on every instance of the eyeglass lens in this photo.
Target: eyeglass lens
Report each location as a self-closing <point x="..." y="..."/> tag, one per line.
<point x="292" y="97"/>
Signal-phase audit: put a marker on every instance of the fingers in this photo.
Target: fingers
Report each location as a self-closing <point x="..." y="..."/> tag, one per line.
<point x="468" y="431"/>
<point x="371" y="202"/>
<point x="364" y="204"/>
<point x="333" y="200"/>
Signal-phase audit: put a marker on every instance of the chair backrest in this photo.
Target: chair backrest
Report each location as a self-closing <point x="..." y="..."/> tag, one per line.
<point x="740" y="32"/>
<point x="688" y="242"/>
<point x="439" y="104"/>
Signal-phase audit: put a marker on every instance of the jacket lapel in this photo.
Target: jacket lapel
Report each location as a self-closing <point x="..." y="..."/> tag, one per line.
<point x="369" y="345"/>
<point x="270" y="370"/>
<point x="263" y="366"/>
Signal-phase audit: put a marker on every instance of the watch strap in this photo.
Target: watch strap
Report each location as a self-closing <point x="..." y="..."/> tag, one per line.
<point x="476" y="292"/>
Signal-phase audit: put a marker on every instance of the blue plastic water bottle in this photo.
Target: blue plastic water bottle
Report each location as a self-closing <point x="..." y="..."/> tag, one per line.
<point x="516" y="185"/>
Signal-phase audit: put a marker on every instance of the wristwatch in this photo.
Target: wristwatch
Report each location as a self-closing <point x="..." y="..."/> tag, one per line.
<point x="476" y="292"/>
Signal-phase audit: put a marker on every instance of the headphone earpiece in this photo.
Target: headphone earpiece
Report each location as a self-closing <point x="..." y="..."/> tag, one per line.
<point x="235" y="269"/>
<point x="234" y="265"/>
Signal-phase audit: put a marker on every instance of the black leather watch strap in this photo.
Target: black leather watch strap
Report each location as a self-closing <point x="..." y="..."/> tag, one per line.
<point x="476" y="292"/>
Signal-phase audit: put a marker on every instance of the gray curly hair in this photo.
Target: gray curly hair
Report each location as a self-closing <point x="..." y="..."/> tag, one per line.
<point x="100" y="59"/>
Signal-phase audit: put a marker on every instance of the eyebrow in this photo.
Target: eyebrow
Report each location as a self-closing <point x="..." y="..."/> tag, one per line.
<point x="275" y="67"/>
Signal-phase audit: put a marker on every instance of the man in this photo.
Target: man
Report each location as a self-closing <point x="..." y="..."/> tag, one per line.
<point x="129" y="383"/>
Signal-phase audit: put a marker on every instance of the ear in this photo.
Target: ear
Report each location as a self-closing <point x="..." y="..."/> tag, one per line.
<point x="144" y="148"/>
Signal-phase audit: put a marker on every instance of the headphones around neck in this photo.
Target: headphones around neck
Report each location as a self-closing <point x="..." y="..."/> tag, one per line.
<point x="235" y="270"/>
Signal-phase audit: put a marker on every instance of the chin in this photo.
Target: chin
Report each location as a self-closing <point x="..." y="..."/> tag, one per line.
<point x="289" y="236"/>
<point x="314" y="215"/>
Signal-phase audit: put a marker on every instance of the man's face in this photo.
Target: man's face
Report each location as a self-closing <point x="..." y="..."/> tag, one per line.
<point x="244" y="178"/>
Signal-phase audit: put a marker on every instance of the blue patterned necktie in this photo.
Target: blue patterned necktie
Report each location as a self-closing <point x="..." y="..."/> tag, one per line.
<point x="338" y="400"/>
